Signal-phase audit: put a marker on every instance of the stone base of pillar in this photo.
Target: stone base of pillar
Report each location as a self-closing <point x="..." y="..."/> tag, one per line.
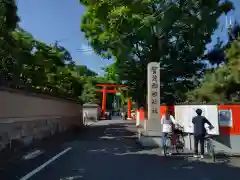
<point x="151" y="134"/>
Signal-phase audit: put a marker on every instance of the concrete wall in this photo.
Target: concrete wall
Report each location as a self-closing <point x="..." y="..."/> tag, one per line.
<point x="25" y="116"/>
<point x="91" y="110"/>
<point x="225" y="143"/>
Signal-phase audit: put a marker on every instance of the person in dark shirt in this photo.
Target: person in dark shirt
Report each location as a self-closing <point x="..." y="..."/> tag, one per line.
<point x="200" y="131"/>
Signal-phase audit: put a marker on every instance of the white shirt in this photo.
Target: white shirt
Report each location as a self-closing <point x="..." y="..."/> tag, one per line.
<point x="167" y="126"/>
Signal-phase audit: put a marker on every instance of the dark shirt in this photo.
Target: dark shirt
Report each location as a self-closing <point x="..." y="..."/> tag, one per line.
<point x="199" y="122"/>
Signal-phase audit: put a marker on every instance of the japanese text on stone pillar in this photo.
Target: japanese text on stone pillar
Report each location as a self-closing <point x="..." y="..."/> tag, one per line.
<point x="154" y="92"/>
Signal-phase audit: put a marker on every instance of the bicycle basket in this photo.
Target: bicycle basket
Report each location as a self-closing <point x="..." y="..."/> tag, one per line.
<point x="179" y="130"/>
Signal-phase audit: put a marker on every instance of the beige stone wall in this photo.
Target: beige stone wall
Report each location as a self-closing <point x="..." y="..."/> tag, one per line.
<point x="25" y="117"/>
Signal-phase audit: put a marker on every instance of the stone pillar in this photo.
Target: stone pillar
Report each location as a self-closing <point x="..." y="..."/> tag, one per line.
<point x="153" y="91"/>
<point x="153" y="86"/>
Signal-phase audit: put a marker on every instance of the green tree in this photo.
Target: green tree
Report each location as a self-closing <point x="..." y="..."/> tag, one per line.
<point x="84" y="71"/>
<point x="138" y="32"/>
<point x="223" y="85"/>
<point x="216" y="56"/>
<point x="89" y="94"/>
<point x="8" y="23"/>
<point x="111" y="73"/>
<point x="33" y="65"/>
<point x="36" y="66"/>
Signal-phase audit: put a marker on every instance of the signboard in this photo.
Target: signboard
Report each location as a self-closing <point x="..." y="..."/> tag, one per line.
<point x="153" y="91"/>
<point x="225" y="118"/>
<point x="185" y="113"/>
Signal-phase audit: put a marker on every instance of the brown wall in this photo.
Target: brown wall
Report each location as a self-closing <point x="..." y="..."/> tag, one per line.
<point x="25" y="116"/>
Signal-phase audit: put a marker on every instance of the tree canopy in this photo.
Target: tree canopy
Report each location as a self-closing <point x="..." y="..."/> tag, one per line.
<point x="217" y="56"/>
<point x="134" y="33"/>
<point x="221" y="81"/>
<point x="84" y="71"/>
<point x="223" y="84"/>
<point x="32" y="65"/>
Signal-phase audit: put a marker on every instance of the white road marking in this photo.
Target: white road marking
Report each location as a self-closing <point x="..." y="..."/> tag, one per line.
<point x="32" y="154"/>
<point x="29" y="175"/>
<point x="72" y="178"/>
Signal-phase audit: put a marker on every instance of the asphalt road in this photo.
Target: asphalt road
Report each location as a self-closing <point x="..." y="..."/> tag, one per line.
<point x="108" y="151"/>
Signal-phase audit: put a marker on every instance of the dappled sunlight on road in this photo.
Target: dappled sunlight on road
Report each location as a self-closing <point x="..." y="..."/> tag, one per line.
<point x="119" y="157"/>
<point x="114" y="158"/>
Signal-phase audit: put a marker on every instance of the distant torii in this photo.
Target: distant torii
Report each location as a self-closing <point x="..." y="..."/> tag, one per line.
<point x="104" y="91"/>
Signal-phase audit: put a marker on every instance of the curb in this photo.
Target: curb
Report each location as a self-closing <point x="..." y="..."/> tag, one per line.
<point x="90" y="124"/>
<point x="234" y="155"/>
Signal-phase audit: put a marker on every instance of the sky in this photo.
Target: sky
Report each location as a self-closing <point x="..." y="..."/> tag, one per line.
<point x="51" y="20"/>
<point x="59" y="20"/>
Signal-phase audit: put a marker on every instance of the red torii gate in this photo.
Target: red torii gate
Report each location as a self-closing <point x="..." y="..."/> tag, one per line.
<point x="104" y="91"/>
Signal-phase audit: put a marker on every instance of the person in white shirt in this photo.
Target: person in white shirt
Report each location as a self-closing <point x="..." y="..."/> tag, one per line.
<point x="167" y="122"/>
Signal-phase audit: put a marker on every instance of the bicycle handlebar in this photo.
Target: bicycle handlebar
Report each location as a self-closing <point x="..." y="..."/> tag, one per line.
<point x="208" y="136"/>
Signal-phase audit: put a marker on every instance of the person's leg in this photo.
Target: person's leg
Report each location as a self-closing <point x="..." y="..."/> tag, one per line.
<point x="171" y="144"/>
<point x="163" y="138"/>
<point x="196" y="139"/>
<point x="202" y="144"/>
<point x="163" y="141"/>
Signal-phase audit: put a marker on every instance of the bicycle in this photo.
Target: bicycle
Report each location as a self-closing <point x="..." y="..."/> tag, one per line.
<point x="180" y="142"/>
<point x="210" y="147"/>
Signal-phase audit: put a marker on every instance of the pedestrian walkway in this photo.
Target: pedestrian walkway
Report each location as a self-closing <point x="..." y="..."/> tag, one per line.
<point x="108" y="151"/>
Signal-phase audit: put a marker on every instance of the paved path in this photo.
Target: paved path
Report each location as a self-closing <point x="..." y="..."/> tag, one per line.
<point x="108" y="151"/>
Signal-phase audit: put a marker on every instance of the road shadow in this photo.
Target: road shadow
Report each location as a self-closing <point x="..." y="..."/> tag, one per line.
<point x="111" y="152"/>
<point x="11" y="156"/>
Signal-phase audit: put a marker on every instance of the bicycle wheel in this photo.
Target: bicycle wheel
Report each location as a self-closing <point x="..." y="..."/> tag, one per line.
<point x="213" y="155"/>
<point x="211" y="150"/>
<point x="180" y="144"/>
